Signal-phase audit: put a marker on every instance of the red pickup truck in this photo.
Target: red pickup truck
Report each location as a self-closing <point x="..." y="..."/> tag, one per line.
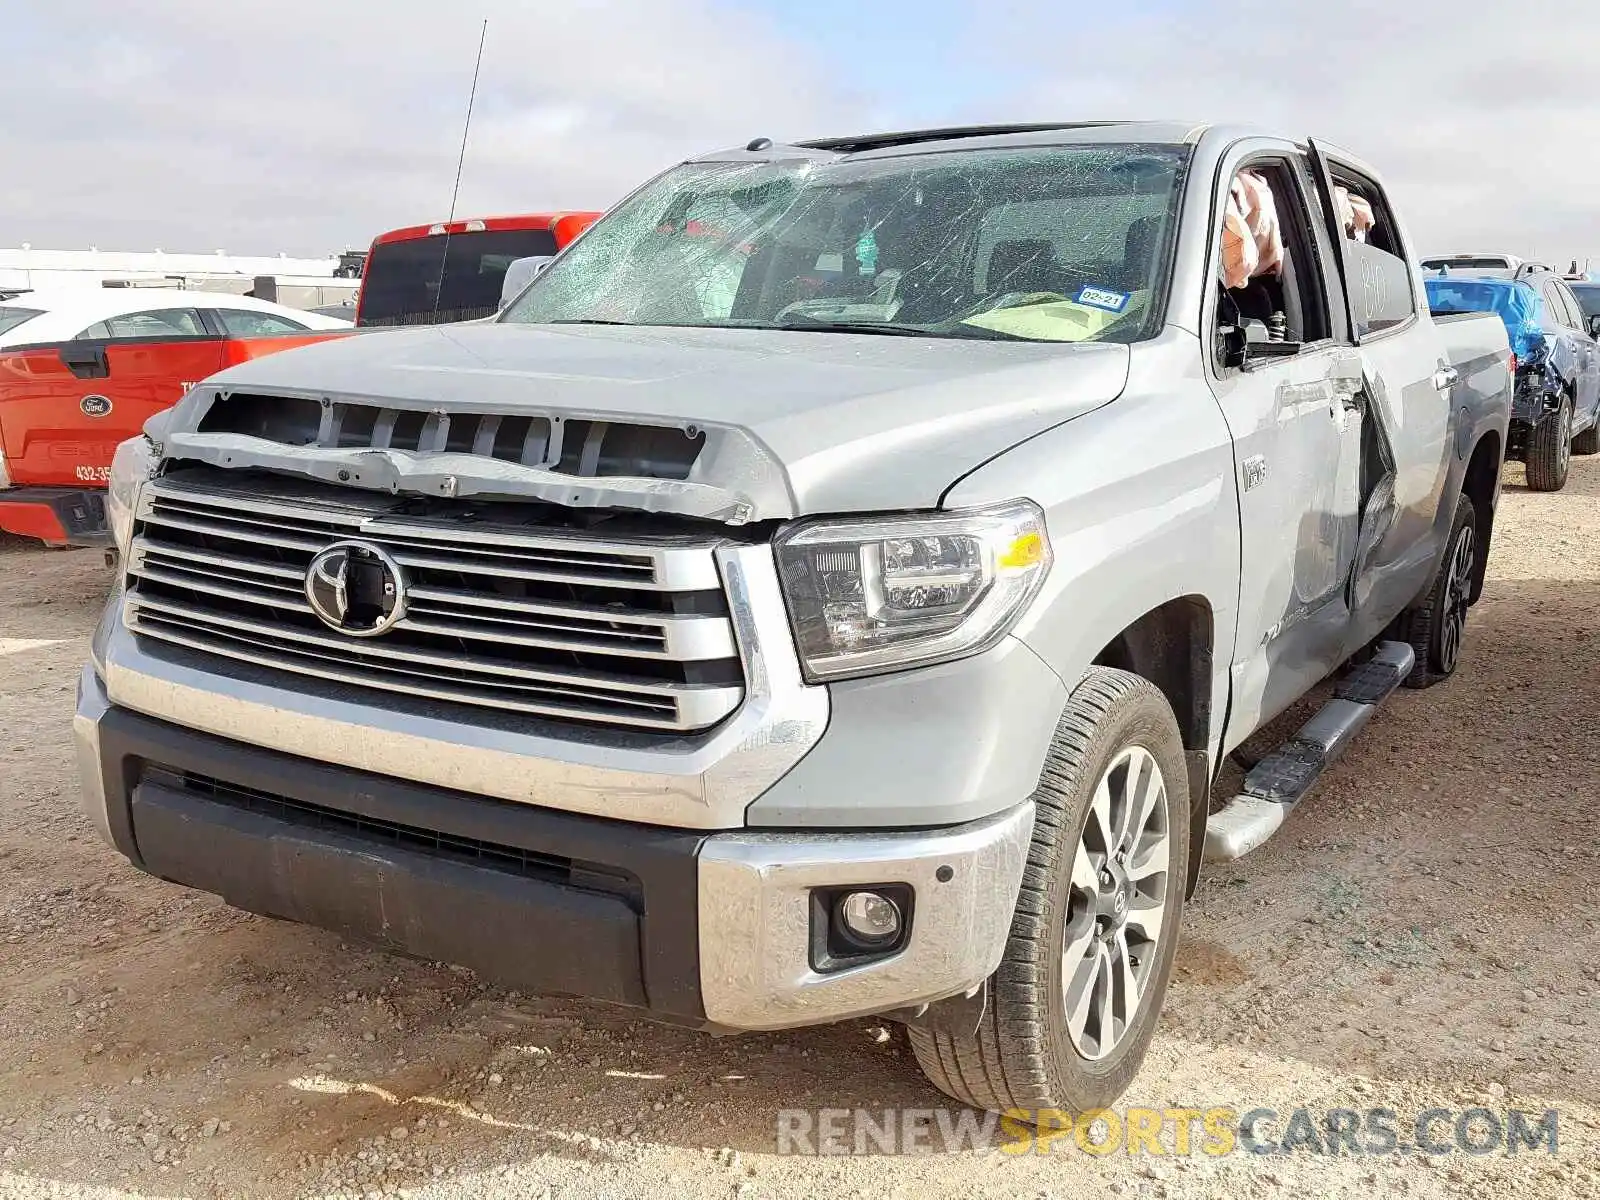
<point x="82" y="370"/>
<point x="453" y="271"/>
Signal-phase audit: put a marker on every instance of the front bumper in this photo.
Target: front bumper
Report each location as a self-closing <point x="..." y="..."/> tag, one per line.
<point x="711" y="930"/>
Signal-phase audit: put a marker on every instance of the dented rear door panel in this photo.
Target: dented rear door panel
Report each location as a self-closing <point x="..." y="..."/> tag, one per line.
<point x="1406" y="385"/>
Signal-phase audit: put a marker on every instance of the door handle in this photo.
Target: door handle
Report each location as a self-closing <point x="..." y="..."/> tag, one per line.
<point x="1445" y="378"/>
<point x="86" y="362"/>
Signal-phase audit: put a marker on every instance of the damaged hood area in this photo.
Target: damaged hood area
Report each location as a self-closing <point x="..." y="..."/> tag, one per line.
<point x="731" y="425"/>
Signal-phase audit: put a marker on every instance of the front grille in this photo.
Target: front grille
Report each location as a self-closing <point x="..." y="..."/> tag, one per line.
<point x="434" y="843"/>
<point x="500" y="613"/>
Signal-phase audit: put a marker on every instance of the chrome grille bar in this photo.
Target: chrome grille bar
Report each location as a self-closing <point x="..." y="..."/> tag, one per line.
<point x="669" y="564"/>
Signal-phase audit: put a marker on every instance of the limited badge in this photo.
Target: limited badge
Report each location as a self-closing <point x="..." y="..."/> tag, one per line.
<point x="95" y="406"/>
<point x="1103" y="298"/>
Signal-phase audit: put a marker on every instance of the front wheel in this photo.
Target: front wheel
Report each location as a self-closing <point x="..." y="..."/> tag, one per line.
<point x="1073" y="1006"/>
<point x="1549" y="452"/>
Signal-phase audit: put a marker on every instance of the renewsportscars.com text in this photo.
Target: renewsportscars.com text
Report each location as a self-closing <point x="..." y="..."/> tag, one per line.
<point x="1168" y="1132"/>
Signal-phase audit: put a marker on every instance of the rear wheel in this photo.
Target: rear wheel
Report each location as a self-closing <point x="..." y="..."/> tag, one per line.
<point x="1438" y="628"/>
<point x="1074" y="1004"/>
<point x="1550" y="449"/>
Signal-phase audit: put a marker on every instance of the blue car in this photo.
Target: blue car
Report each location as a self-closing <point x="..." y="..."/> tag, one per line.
<point x="1556" y="410"/>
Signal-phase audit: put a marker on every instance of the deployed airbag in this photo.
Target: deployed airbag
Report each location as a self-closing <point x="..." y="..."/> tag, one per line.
<point x="1355" y="213"/>
<point x="1252" y="239"/>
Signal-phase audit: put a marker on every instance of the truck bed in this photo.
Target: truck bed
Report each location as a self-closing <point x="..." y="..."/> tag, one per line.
<point x="1473" y="340"/>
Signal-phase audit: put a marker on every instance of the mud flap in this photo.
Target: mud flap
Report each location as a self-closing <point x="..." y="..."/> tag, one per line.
<point x="955" y="1016"/>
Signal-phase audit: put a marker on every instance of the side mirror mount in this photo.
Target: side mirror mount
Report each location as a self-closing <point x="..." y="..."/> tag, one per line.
<point x="1232" y="347"/>
<point x="1239" y="345"/>
<point x="519" y="274"/>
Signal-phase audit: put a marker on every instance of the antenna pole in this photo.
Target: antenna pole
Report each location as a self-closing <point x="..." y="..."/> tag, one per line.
<point x="472" y="97"/>
<point x="461" y="160"/>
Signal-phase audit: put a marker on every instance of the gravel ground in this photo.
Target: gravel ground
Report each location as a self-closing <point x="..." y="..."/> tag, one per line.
<point x="1422" y="934"/>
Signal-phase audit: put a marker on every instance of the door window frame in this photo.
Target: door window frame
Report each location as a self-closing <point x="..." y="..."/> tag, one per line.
<point x="113" y="339"/>
<point x="1288" y="161"/>
<point x="1569" y="302"/>
<point x="1323" y="166"/>
<point x="216" y="320"/>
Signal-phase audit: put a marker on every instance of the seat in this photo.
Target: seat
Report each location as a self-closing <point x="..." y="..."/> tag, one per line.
<point x="1139" y="248"/>
<point x="1024" y="265"/>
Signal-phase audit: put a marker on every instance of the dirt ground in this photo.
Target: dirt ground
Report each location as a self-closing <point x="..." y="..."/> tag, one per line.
<point x="1422" y="934"/>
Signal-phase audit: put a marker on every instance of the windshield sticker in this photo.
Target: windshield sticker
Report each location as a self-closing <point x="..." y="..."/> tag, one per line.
<point x="1103" y="298"/>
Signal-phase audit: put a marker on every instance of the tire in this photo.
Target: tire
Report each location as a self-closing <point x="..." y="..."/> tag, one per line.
<point x="1588" y="442"/>
<point x="1024" y="1054"/>
<point x="1549" y="453"/>
<point x="1437" y="628"/>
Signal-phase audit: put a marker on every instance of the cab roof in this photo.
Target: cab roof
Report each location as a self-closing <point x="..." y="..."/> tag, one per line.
<point x="1063" y="133"/>
<point x="976" y="137"/>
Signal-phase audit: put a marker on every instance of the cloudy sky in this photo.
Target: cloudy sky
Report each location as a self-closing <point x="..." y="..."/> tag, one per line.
<point x="308" y="125"/>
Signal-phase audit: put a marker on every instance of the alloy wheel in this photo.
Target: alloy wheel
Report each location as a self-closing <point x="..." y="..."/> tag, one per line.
<point x="1121" y="871"/>
<point x="1457" y="598"/>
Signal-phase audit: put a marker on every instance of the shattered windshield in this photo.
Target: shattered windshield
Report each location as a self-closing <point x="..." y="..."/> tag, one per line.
<point x="1063" y="244"/>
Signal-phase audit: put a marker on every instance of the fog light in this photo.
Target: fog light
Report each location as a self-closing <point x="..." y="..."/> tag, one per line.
<point x="869" y="917"/>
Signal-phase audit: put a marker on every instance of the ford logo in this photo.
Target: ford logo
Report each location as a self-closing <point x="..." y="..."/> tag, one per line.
<point x="95" y="406"/>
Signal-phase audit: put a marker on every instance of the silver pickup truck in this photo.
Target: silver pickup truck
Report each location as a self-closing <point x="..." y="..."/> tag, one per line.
<point x="830" y="588"/>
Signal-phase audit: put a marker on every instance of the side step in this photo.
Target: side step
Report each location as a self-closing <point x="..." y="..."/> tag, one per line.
<point x="1283" y="778"/>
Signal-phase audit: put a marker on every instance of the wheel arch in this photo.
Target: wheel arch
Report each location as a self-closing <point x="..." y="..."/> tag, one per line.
<point x="1173" y="646"/>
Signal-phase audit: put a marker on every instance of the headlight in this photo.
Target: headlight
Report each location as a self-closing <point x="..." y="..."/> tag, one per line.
<point x="881" y="594"/>
<point x="130" y="467"/>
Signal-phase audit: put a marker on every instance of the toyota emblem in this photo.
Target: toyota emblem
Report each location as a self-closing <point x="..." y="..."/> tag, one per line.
<point x="356" y="588"/>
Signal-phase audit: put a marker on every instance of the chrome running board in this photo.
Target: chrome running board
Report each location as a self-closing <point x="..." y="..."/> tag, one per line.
<point x="1282" y="779"/>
